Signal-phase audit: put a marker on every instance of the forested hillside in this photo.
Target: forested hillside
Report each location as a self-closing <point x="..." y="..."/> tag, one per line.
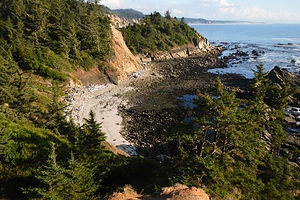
<point x="233" y="148"/>
<point x="129" y="13"/>
<point x="156" y="33"/>
<point x="43" y="154"/>
<point x="53" y="37"/>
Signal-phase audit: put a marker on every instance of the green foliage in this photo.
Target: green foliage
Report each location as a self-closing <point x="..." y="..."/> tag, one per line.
<point x="15" y="90"/>
<point x="128" y="13"/>
<point x="52" y="37"/>
<point x="24" y="147"/>
<point x="156" y="33"/>
<point x="91" y="135"/>
<point x="276" y="174"/>
<point x="226" y="152"/>
<point x="74" y="181"/>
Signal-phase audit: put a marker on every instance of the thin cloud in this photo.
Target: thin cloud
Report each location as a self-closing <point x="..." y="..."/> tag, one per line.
<point x="211" y="9"/>
<point x="177" y="12"/>
<point x="257" y="13"/>
<point x="112" y="3"/>
<point x="225" y="4"/>
<point x="218" y="3"/>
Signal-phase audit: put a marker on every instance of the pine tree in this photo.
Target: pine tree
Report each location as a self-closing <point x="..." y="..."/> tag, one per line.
<point x="91" y="136"/>
<point x="168" y="15"/>
<point x="36" y="21"/>
<point x="226" y="149"/>
<point x="72" y="182"/>
<point x="15" y="90"/>
<point x="54" y="117"/>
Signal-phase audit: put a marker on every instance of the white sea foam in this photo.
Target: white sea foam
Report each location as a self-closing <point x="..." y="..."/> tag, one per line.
<point x="242" y="70"/>
<point x="297" y="59"/>
<point x="287" y="39"/>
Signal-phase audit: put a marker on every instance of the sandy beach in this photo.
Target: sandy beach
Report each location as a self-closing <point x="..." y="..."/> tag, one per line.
<point x="104" y="100"/>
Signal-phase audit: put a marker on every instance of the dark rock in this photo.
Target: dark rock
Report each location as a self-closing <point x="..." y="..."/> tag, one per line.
<point x="254" y="53"/>
<point x="241" y="53"/>
<point x="278" y="75"/>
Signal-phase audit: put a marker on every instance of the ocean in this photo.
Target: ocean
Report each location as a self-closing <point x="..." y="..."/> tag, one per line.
<point x="273" y="44"/>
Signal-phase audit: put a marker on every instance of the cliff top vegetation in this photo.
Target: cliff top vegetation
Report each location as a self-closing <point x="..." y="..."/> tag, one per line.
<point x="157" y="33"/>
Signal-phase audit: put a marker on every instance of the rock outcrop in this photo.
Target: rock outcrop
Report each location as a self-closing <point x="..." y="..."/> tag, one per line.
<point x="121" y="65"/>
<point x="121" y="22"/>
<point x="279" y="76"/>
<point x="176" y="192"/>
<point x="182" y="192"/>
<point x="203" y="46"/>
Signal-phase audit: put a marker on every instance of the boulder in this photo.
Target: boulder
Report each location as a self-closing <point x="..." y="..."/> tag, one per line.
<point x="182" y="192"/>
<point x="254" y="53"/>
<point x="176" y="192"/>
<point x="278" y="75"/>
<point x="128" y="194"/>
<point x="241" y="53"/>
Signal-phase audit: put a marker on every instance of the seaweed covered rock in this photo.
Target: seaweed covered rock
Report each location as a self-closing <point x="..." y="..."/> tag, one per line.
<point x="279" y="76"/>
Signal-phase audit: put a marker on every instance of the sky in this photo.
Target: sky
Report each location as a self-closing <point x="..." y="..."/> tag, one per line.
<point x="268" y="11"/>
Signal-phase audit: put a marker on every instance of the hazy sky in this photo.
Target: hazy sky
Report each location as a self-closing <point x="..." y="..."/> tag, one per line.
<point x="273" y="11"/>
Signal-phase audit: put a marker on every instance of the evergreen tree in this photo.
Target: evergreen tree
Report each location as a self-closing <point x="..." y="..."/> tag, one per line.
<point x="157" y="33"/>
<point x="226" y="149"/>
<point x="269" y="113"/>
<point x="168" y="15"/>
<point x="73" y="182"/>
<point x="14" y="88"/>
<point x="91" y="136"/>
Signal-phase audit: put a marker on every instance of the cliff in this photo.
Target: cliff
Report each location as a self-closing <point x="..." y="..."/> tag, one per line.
<point x="124" y="61"/>
<point x="120" y="66"/>
<point x="203" y="46"/>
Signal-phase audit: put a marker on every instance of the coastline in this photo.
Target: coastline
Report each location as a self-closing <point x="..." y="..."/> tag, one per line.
<point x="139" y="90"/>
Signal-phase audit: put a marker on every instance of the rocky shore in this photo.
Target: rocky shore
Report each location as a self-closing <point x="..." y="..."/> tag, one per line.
<point x="139" y="114"/>
<point x="152" y="91"/>
<point x="157" y="110"/>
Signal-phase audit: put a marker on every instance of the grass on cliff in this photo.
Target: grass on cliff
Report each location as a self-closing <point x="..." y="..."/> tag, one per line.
<point x="156" y="33"/>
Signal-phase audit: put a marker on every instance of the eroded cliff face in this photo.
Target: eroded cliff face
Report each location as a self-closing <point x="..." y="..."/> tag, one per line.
<point x="124" y="61"/>
<point x="120" y="65"/>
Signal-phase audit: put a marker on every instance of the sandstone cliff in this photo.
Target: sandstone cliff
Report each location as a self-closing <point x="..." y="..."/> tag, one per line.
<point x="124" y="61"/>
<point x="121" y="65"/>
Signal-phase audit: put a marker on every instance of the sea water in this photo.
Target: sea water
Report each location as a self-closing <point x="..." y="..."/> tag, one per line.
<point x="276" y="44"/>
